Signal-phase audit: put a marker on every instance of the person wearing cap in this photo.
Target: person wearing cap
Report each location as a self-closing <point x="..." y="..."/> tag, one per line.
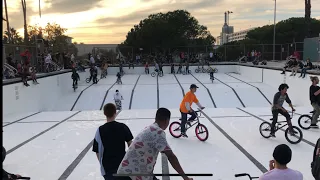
<point x="117" y="99"/>
<point x="185" y="108"/>
<point x="278" y="166"/>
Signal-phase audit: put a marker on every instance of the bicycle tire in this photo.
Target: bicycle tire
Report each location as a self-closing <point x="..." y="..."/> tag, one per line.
<point x="286" y="134"/>
<point x="261" y="130"/>
<point x="204" y="70"/>
<point x="160" y="74"/>
<point x="153" y="74"/>
<point x="197" y="70"/>
<point x="177" y="129"/>
<point x="206" y="131"/>
<point x="88" y="80"/>
<point x="300" y="121"/>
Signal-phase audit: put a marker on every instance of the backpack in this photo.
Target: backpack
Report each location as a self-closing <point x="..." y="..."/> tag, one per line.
<point x="316" y="162"/>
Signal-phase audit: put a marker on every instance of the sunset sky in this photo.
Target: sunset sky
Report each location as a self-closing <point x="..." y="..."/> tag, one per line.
<point x="108" y="21"/>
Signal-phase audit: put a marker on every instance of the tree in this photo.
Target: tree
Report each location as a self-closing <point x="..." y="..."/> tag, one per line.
<point x="12" y="37"/>
<point x="288" y="31"/>
<point x="172" y="29"/>
<point x="53" y="36"/>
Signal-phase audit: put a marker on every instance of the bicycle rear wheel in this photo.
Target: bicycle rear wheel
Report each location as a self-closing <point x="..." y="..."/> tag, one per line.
<point x="304" y="121"/>
<point x="293" y="139"/>
<point x="265" y="129"/>
<point x="197" y="70"/>
<point x="202" y="130"/>
<point x="175" y="129"/>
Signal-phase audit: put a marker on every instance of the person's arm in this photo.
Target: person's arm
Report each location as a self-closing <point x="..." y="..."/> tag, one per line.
<point x="288" y="100"/>
<point x="128" y="135"/>
<point x="163" y="147"/>
<point x="175" y="163"/>
<point x="95" y="147"/>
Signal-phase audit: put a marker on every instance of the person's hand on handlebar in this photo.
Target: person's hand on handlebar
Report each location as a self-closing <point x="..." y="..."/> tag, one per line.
<point x="293" y="109"/>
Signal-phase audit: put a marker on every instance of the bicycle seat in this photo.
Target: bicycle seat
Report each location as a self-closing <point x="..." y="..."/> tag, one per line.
<point x="312" y="111"/>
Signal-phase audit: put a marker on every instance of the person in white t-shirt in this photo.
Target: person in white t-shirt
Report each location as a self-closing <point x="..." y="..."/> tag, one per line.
<point x="117" y="99"/>
<point x="278" y="167"/>
<point x="142" y="154"/>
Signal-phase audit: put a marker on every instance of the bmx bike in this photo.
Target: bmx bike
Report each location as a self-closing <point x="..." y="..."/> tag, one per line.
<point x="154" y="73"/>
<point x="266" y="127"/>
<point x="245" y="174"/>
<point x="304" y="120"/>
<point x="175" y="128"/>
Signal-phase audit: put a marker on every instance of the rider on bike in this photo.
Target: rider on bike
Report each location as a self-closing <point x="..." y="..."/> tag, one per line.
<point x="119" y="78"/>
<point x="277" y="108"/>
<point x="185" y="108"/>
<point x="75" y="77"/>
<point x="211" y="73"/>
<point x="314" y="98"/>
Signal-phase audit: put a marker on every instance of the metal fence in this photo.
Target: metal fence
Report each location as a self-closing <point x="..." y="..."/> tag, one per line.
<point x="37" y="54"/>
<point x="115" y="54"/>
<point x="282" y="51"/>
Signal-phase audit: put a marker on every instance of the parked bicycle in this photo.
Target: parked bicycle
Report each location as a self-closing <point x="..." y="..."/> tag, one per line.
<point x="266" y="127"/>
<point x="304" y="120"/>
<point x="175" y="128"/>
<point x="154" y="73"/>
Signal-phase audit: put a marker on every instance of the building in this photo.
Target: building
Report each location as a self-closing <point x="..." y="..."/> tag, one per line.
<point x="237" y="36"/>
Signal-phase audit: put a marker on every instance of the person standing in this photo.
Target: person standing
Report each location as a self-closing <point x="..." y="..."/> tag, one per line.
<point x="141" y="156"/>
<point x="282" y="155"/>
<point x="314" y="92"/>
<point x="109" y="142"/>
<point x="117" y="99"/>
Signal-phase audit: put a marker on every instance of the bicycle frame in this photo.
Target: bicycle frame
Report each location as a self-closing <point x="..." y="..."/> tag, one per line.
<point x="197" y="121"/>
<point x="286" y="123"/>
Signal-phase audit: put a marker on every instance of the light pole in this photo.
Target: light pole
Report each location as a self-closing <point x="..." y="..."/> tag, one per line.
<point x="274" y="30"/>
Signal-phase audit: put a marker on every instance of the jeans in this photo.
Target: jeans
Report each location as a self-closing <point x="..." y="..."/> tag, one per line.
<point x="304" y="71"/>
<point x="75" y="82"/>
<point x="316" y="114"/>
<point x="184" y="119"/>
<point x="275" y="114"/>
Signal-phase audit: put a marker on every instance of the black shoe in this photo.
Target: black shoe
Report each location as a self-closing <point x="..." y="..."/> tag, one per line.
<point x="272" y="135"/>
<point x="184" y="134"/>
<point x="283" y="72"/>
<point x="314" y="126"/>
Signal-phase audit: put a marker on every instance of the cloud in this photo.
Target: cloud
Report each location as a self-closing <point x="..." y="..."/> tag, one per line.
<point x="71" y="6"/>
<point x="108" y="21"/>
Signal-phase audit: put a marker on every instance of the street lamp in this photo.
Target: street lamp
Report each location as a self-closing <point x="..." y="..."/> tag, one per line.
<point x="274" y="30"/>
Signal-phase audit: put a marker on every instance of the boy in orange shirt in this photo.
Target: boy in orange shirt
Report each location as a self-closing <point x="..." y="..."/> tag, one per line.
<point x="185" y="108"/>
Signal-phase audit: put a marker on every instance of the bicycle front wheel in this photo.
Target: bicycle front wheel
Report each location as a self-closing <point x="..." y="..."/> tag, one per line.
<point x="202" y="132"/>
<point x="153" y="74"/>
<point x="296" y="138"/>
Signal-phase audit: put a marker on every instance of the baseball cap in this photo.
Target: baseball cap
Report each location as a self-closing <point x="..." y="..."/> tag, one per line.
<point x="282" y="154"/>
<point x="193" y="86"/>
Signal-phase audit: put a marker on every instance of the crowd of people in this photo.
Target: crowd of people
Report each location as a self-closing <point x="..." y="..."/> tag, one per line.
<point x="138" y="162"/>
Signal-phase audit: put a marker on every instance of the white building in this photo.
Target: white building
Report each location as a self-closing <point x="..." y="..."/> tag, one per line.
<point x="237" y="36"/>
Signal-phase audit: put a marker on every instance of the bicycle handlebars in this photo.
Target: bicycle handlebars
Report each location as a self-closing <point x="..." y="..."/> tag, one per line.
<point x="245" y="174"/>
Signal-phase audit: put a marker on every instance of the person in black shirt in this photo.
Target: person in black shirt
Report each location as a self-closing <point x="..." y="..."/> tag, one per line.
<point x="314" y="99"/>
<point x="109" y="143"/>
<point x="119" y="78"/>
<point x="277" y="107"/>
<point x="308" y="66"/>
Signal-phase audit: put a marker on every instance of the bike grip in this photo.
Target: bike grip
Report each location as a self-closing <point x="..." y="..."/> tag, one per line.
<point x="240" y="175"/>
<point x="24" y="178"/>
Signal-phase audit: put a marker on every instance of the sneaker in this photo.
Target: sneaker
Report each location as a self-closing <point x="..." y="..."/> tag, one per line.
<point x="314" y="126"/>
<point x="282" y="72"/>
<point x="272" y="135"/>
<point x="184" y="134"/>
